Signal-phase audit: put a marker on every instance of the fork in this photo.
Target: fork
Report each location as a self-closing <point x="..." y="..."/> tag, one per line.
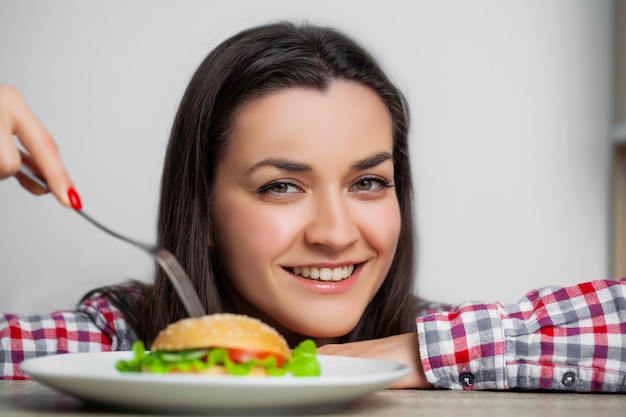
<point x="163" y="257"/>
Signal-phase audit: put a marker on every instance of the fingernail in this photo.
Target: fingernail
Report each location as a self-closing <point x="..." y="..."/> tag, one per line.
<point x="74" y="199"/>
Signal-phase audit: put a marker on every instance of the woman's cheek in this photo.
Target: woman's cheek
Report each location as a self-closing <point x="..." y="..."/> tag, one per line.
<point x="266" y="231"/>
<point x="380" y="225"/>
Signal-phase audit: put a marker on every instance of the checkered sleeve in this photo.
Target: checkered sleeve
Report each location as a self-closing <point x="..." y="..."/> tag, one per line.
<point x="556" y="338"/>
<point x="95" y="326"/>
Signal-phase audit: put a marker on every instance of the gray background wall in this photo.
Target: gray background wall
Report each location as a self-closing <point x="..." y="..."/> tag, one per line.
<point x="511" y="111"/>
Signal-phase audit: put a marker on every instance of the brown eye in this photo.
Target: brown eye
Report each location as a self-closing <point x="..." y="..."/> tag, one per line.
<point x="364" y="184"/>
<point x="370" y="185"/>
<point x="279" y="187"/>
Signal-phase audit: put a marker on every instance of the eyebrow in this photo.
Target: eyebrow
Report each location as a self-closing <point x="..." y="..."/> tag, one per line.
<point x="292" y="166"/>
<point x="283" y="164"/>
<point x="371" y="161"/>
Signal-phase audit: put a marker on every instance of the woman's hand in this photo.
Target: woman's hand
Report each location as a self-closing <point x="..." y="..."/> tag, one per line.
<point x="402" y="348"/>
<point x="42" y="155"/>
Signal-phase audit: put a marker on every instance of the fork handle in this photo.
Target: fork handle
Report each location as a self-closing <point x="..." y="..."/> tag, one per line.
<point x="164" y="258"/>
<point x="151" y="249"/>
<point x="28" y="173"/>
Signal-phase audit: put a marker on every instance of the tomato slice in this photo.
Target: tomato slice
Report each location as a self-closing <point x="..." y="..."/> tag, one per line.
<point x="244" y="355"/>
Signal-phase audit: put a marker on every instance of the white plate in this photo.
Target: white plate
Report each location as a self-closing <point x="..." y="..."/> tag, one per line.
<point x="93" y="378"/>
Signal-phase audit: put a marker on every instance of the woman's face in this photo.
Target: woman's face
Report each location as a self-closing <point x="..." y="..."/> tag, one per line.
<point x="306" y="213"/>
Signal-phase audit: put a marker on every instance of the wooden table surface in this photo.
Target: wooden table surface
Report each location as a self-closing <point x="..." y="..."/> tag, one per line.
<point x="32" y="399"/>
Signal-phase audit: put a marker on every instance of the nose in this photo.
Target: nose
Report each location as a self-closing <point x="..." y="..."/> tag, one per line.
<point x="332" y="223"/>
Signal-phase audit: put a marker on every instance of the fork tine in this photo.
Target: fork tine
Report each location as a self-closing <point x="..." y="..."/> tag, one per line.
<point x="177" y="275"/>
<point x="181" y="283"/>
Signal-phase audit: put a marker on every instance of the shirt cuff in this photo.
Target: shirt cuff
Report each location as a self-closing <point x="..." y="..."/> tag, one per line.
<point x="464" y="348"/>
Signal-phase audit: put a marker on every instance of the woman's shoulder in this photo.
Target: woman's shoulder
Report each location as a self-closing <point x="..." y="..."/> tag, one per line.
<point x="115" y="309"/>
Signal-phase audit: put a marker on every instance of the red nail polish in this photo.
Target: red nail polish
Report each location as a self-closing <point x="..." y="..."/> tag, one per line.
<point x="74" y="199"/>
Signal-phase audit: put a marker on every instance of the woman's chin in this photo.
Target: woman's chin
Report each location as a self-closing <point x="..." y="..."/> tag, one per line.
<point x="319" y="331"/>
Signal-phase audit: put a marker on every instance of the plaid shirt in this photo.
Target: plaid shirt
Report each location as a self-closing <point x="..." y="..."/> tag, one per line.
<point x="556" y="338"/>
<point x="571" y="338"/>
<point x="95" y="326"/>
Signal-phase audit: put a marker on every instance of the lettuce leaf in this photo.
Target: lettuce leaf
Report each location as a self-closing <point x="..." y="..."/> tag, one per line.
<point x="303" y="361"/>
<point x="133" y="365"/>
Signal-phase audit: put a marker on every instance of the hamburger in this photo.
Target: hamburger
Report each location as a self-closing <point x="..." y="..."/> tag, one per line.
<point x="223" y="344"/>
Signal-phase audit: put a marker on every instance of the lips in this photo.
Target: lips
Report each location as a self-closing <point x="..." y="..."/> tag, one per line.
<point x="323" y="273"/>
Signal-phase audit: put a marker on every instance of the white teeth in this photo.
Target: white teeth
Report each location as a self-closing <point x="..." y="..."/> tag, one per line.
<point x="337" y="274"/>
<point x="324" y="274"/>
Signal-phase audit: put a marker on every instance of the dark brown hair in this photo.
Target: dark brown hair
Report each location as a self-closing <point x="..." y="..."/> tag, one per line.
<point x="249" y="65"/>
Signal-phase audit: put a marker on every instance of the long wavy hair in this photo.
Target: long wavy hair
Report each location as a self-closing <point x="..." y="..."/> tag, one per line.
<point x="249" y="65"/>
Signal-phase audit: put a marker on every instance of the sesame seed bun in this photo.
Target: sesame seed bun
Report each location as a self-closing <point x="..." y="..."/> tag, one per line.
<point x="230" y="331"/>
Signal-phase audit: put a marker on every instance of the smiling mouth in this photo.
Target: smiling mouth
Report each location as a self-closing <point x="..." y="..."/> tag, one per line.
<point x="323" y="274"/>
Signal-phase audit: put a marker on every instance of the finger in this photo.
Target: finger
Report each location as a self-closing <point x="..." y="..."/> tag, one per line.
<point x="27" y="182"/>
<point x="9" y="156"/>
<point x="39" y="143"/>
<point x="10" y="159"/>
<point x="29" y="185"/>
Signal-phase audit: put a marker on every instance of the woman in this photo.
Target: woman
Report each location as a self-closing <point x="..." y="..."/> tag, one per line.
<point x="286" y="195"/>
